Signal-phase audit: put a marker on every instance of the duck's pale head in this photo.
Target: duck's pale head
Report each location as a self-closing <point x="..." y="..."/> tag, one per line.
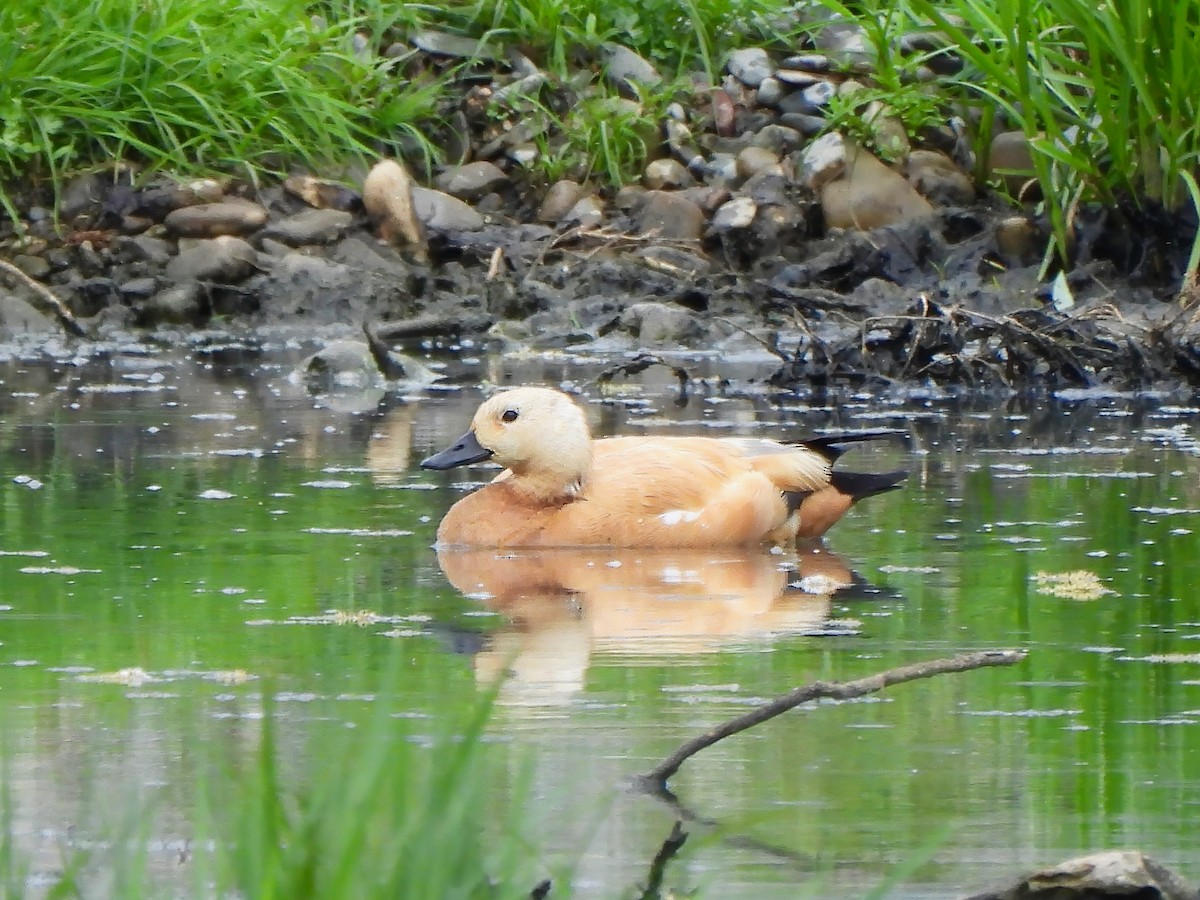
<point x="539" y="434"/>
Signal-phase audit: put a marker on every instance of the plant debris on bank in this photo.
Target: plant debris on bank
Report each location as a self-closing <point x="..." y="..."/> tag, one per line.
<point x="988" y="194"/>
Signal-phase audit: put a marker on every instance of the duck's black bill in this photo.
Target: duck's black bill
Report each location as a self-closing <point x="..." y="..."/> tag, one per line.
<point x="466" y="450"/>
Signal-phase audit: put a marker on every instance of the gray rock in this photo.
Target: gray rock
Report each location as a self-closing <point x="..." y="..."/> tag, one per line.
<point x="846" y="43"/>
<point x="734" y="214"/>
<point x="939" y="59"/>
<point x="205" y="220"/>
<point x="777" y="138"/>
<point x="472" y="181"/>
<point x="671" y="216"/>
<point x="823" y="161"/>
<point x="808" y="62"/>
<point x="819" y="94"/>
<point x="180" y="304"/>
<point x="142" y="248"/>
<point x="722" y="168"/>
<point x="19" y="317"/>
<point x="1111" y="873"/>
<point x="322" y="291"/>
<point x="559" y="199"/>
<point x="668" y="174"/>
<point x="808" y="125"/>
<point x="658" y="324"/>
<point x="341" y="365"/>
<point x="750" y="66"/>
<point x="588" y="212"/>
<point x="223" y="259"/>
<point x="625" y="68"/>
<point x="441" y="212"/>
<point x="313" y="226"/>
<point x="138" y="288"/>
<point x="770" y="92"/>
<point x="373" y="258"/>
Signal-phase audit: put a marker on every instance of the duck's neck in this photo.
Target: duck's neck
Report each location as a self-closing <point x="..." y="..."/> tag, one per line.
<point x="553" y="483"/>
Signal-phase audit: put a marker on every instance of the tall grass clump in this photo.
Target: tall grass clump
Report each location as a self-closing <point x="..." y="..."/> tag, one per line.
<point x="397" y="807"/>
<point x="1107" y="91"/>
<point x="379" y="813"/>
<point x="245" y="85"/>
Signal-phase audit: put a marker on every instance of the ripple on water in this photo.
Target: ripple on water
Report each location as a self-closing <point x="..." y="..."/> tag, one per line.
<point x="58" y="570"/>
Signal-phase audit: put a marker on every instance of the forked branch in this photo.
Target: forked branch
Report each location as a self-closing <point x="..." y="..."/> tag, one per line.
<point x="655" y="781"/>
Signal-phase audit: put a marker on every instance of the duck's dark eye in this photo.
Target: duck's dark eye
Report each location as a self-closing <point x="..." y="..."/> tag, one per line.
<point x="510" y="415"/>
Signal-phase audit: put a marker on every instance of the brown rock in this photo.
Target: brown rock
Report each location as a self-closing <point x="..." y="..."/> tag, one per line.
<point x="1010" y="159"/>
<point x="320" y="194"/>
<point x="206" y="220"/>
<point x="663" y="174"/>
<point x="936" y="178"/>
<point x="388" y="199"/>
<point x="671" y="217"/>
<point x="870" y="195"/>
<point x="758" y="161"/>
<point x="559" y="199"/>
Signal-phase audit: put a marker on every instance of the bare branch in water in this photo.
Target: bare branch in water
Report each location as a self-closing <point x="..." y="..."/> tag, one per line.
<point x="655" y="781"/>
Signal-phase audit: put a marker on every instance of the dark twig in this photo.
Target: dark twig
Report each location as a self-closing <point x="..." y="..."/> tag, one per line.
<point x="655" y="781"/>
<point x="658" y="867"/>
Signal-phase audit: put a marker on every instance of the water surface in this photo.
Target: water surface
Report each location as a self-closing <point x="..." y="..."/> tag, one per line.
<point x="184" y="531"/>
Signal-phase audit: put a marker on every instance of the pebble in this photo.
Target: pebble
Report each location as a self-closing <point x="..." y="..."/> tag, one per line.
<point x="471" y="181"/>
<point x="750" y="66"/>
<point x="313" y="226"/>
<point x="666" y="174"/>
<point x="206" y="220"/>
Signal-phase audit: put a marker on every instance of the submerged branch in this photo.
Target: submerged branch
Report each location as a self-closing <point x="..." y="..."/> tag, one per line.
<point x="655" y="780"/>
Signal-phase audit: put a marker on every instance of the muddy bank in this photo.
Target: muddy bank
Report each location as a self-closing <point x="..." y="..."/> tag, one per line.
<point x="753" y="226"/>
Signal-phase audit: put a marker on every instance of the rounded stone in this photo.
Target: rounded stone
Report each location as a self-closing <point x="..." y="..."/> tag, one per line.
<point x="750" y="66"/>
<point x="667" y="174"/>
<point x="206" y="220"/>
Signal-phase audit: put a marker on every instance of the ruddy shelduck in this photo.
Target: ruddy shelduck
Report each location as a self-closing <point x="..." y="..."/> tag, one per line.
<point x="561" y="488"/>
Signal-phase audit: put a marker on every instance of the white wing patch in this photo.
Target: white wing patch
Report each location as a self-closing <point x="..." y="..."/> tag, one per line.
<point x="675" y="516"/>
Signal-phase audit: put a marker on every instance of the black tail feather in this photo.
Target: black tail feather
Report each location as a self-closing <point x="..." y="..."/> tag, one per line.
<point x="831" y="446"/>
<point x="866" y="484"/>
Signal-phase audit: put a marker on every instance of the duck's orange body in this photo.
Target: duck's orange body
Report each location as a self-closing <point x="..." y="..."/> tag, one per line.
<point x="562" y="489"/>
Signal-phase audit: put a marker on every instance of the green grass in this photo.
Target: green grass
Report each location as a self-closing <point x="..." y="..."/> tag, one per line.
<point x="1107" y="92"/>
<point x="188" y="85"/>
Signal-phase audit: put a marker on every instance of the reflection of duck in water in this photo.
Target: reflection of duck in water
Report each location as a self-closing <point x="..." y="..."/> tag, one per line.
<point x="561" y="488"/>
<point x="565" y="605"/>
